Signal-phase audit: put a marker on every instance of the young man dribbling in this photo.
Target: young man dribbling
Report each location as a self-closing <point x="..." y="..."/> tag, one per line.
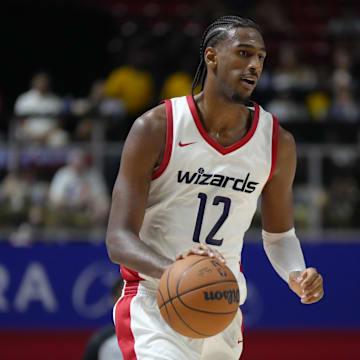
<point x="191" y="172"/>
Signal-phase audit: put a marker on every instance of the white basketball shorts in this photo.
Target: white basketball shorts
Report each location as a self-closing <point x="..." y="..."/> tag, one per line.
<point x="143" y="334"/>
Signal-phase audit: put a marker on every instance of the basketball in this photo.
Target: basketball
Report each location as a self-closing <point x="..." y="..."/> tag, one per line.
<point x="198" y="296"/>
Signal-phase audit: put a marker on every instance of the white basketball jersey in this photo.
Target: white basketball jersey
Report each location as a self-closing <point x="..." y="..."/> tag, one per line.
<point x="204" y="192"/>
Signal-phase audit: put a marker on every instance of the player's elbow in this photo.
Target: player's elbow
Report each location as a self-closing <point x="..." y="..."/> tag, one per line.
<point x="114" y="247"/>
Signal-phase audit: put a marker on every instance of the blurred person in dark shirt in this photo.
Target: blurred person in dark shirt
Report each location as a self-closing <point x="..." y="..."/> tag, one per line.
<point x="97" y="108"/>
<point x="344" y="107"/>
<point x="103" y="345"/>
<point x="347" y="23"/>
<point x="342" y="203"/>
<point x="22" y="203"/>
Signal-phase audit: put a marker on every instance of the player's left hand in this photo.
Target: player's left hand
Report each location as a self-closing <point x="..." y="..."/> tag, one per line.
<point x="203" y="250"/>
<point x="307" y="284"/>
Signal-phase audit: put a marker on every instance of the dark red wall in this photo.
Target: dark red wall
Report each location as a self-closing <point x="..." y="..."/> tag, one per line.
<point x="287" y="345"/>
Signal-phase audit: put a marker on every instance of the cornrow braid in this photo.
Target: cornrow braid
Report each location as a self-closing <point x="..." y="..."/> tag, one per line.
<point x="216" y="32"/>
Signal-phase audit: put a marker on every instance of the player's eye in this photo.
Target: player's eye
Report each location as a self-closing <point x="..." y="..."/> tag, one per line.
<point x="243" y="52"/>
<point x="261" y="57"/>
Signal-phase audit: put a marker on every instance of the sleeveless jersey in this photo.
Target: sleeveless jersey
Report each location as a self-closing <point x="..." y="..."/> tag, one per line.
<point x="203" y="192"/>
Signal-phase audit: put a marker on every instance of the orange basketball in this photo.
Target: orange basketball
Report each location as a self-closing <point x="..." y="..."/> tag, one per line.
<point x="198" y="296"/>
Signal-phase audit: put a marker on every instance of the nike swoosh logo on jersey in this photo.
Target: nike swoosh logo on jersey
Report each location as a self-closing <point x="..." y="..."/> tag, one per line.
<point x="186" y="144"/>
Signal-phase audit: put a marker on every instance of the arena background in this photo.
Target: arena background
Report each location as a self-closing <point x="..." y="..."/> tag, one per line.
<point x="111" y="60"/>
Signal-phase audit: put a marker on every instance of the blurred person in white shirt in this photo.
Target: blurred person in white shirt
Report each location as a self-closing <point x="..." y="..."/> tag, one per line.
<point x="37" y="112"/>
<point x="80" y="188"/>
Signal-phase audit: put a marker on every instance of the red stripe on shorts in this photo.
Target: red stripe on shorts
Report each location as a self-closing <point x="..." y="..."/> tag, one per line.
<point x="124" y="334"/>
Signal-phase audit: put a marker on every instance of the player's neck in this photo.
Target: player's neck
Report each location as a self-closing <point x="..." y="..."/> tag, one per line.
<point x="219" y="115"/>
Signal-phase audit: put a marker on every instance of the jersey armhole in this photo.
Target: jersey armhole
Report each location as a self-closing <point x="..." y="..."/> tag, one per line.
<point x="169" y="141"/>
<point x="274" y="147"/>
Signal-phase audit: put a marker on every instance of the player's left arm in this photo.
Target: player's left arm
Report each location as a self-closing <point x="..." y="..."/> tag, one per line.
<point x="280" y="242"/>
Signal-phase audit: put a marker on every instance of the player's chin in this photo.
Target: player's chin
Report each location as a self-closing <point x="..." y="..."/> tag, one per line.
<point x="246" y="87"/>
<point x="311" y="300"/>
<point x="241" y="97"/>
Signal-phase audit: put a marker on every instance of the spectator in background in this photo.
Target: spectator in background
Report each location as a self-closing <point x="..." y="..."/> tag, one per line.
<point x="133" y="86"/>
<point x="78" y="196"/>
<point x="132" y="83"/>
<point x="179" y="83"/>
<point x="176" y="84"/>
<point x="15" y="195"/>
<point x="318" y="101"/>
<point x="347" y="24"/>
<point x="37" y="112"/>
<point x="344" y="108"/>
<point x="286" y="108"/>
<point x="341" y="76"/>
<point x="103" y="345"/>
<point x="22" y="203"/>
<point x="96" y="107"/>
<point x="291" y="74"/>
<point x="318" y="104"/>
<point x="342" y="202"/>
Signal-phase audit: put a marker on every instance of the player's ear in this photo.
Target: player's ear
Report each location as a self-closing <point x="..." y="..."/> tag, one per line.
<point x="211" y="57"/>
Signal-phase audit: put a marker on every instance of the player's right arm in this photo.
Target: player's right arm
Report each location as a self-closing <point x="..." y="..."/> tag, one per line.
<point x="142" y="152"/>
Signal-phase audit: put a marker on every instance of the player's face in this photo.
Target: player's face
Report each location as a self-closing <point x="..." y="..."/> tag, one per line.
<point x="240" y="61"/>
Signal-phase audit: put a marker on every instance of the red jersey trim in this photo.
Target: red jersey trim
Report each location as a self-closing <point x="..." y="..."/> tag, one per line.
<point x="168" y="143"/>
<point x="274" y="147"/>
<point x="129" y="275"/>
<point x="222" y="149"/>
<point x="242" y="325"/>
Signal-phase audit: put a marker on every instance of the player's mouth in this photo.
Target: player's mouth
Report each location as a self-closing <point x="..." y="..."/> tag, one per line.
<point x="249" y="82"/>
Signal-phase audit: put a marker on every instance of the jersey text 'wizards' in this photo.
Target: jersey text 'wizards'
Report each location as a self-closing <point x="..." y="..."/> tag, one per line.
<point x="201" y="178"/>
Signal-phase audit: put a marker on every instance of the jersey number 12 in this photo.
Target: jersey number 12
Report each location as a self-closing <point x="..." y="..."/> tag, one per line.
<point x="200" y="216"/>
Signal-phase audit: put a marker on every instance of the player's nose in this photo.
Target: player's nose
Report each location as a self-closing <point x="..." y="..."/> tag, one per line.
<point x="255" y="65"/>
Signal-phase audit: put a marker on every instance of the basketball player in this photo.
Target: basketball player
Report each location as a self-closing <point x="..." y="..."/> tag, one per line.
<point x="191" y="172"/>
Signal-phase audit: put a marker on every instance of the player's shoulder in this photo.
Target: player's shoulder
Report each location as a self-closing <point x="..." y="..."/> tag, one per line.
<point x="286" y="139"/>
<point x="152" y="121"/>
<point x="148" y="133"/>
<point x="157" y="113"/>
<point x="286" y="145"/>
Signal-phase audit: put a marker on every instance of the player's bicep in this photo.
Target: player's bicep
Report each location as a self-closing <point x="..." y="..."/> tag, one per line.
<point x="277" y="196"/>
<point x="130" y="192"/>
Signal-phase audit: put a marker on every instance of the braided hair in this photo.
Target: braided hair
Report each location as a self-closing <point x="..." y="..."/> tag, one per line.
<point x="216" y="32"/>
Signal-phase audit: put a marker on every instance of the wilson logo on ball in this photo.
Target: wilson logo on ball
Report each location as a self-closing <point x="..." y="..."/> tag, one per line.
<point x="229" y="295"/>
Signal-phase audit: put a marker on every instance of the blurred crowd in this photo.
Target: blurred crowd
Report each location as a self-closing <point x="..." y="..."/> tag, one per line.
<point x="310" y="82"/>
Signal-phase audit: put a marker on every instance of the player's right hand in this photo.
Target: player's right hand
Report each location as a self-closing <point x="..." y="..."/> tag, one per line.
<point x="202" y="250"/>
<point x="307" y="284"/>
